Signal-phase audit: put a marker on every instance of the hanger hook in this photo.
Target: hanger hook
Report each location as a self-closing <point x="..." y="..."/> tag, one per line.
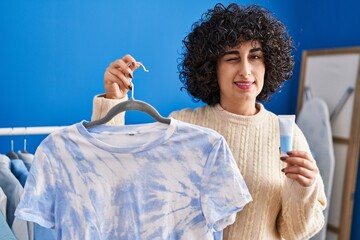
<point x="143" y="67"/>
<point x="132" y="90"/>
<point x="12" y="140"/>
<point x="25" y="139"/>
<point x="132" y="84"/>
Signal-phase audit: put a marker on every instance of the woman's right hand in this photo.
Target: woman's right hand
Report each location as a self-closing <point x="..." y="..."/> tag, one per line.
<point x="118" y="76"/>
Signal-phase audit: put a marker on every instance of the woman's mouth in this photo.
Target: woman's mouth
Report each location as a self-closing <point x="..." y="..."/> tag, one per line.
<point x="244" y="85"/>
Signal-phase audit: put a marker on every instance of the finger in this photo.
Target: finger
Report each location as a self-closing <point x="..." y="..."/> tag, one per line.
<point x="299" y="171"/>
<point x="118" y="63"/>
<point x="121" y="66"/>
<point x="299" y="161"/>
<point x="114" y="79"/>
<point x="131" y="62"/>
<point x="301" y="154"/>
<point x="117" y="75"/>
<point x="303" y="181"/>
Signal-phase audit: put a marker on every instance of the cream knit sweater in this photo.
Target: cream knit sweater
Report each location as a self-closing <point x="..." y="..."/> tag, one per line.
<point x="281" y="208"/>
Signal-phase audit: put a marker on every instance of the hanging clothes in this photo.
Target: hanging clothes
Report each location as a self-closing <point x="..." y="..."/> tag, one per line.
<point x="20" y="169"/>
<point x="21" y="229"/>
<point x="13" y="191"/>
<point x="145" y="181"/>
<point x="27" y="158"/>
<point x="3" y="200"/>
<point x="11" y="187"/>
<point x="5" y="231"/>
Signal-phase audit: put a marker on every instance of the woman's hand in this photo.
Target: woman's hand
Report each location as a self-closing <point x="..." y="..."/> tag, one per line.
<point x="301" y="167"/>
<point x="118" y="76"/>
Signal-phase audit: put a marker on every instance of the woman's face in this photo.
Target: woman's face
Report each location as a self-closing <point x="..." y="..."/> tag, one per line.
<point x="240" y="74"/>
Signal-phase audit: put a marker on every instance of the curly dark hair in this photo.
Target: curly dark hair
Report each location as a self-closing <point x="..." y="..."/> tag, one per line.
<point x="223" y="27"/>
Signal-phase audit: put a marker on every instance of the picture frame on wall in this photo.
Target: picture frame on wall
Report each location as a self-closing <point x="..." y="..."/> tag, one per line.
<point x="333" y="75"/>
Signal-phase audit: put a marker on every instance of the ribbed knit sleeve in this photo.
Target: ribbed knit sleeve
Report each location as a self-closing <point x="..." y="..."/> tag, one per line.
<point x="302" y="207"/>
<point x="101" y="107"/>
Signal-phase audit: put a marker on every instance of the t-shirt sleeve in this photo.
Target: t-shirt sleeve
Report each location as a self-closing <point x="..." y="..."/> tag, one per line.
<point x="223" y="190"/>
<point x="37" y="201"/>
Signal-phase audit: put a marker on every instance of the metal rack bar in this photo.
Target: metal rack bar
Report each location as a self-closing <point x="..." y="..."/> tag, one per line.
<point x="29" y="130"/>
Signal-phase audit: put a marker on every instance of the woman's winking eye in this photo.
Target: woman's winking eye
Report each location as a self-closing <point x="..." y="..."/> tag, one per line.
<point x="234" y="55"/>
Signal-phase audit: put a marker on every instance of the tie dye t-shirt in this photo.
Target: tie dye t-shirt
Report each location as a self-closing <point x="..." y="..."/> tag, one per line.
<point x="145" y="181"/>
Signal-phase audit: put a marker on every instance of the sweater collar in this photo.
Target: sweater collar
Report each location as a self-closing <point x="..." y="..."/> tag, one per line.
<point x="254" y="120"/>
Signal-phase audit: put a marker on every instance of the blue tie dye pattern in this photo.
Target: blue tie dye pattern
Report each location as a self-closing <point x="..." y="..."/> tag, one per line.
<point x="176" y="181"/>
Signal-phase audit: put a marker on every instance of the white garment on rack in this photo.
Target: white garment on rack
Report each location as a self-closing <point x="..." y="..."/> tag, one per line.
<point x="27" y="158"/>
<point x="3" y="200"/>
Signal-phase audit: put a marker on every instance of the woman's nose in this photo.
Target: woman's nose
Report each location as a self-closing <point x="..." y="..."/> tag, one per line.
<point x="244" y="69"/>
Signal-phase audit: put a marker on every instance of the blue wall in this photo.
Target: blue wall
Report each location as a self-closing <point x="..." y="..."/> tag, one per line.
<point x="53" y="54"/>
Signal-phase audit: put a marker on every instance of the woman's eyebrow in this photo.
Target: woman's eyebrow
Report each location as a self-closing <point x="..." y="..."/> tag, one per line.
<point x="232" y="52"/>
<point x="255" y="50"/>
<point x="238" y="53"/>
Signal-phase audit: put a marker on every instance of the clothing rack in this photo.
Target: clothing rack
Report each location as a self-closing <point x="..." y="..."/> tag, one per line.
<point x="29" y="130"/>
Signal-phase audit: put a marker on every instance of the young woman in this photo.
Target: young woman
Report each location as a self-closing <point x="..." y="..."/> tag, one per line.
<point x="234" y="59"/>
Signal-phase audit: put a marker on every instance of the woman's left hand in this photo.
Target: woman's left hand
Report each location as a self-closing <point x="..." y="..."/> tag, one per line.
<point x="301" y="167"/>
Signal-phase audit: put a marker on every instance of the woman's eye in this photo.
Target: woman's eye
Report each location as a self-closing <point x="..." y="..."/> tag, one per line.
<point x="232" y="59"/>
<point x="256" y="57"/>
